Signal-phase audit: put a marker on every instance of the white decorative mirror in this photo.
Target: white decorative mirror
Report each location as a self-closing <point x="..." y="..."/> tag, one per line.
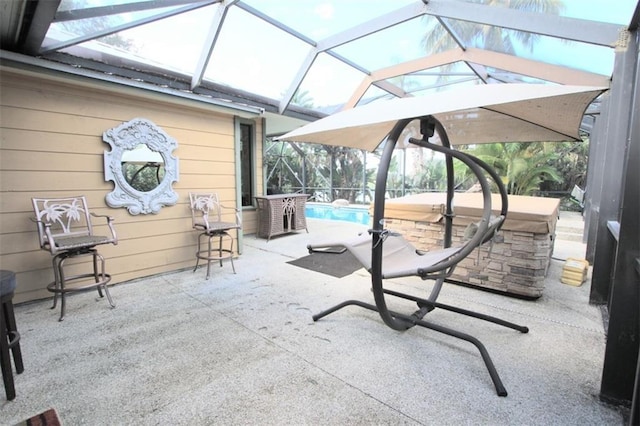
<point x="141" y="165"/>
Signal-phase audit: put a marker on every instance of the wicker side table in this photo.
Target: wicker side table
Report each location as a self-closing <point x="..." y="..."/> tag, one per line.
<point x="281" y="214"/>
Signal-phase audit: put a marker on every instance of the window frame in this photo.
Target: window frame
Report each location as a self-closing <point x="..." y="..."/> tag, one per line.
<point x="239" y="123"/>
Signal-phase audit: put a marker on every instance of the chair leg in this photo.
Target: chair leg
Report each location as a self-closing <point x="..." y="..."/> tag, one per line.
<point x="231" y="256"/>
<point x="60" y="286"/>
<point x="198" y="251"/>
<point x="215" y="250"/>
<point x="13" y="335"/>
<point x="5" y="356"/>
<point x="102" y="277"/>
<point x="209" y="256"/>
<point x="97" y="277"/>
<point x="56" y="279"/>
<point x="221" y="256"/>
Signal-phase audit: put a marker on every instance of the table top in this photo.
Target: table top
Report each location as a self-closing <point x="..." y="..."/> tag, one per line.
<point x="279" y="196"/>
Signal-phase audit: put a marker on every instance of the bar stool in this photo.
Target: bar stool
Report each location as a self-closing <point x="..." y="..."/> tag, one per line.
<point x="65" y="230"/>
<point x="9" y="336"/>
<point x="206" y="216"/>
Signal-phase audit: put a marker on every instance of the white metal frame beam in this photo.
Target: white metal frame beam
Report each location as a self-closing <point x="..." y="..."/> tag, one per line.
<point x="535" y="69"/>
<point x="210" y="43"/>
<point x="129" y="25"/>
<point x="591" y="32"/>
<point x="580" y="30"/>
<point x="389" y="20"/>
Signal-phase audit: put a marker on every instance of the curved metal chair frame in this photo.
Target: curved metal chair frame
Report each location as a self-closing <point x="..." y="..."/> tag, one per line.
<point x="206" y="216"/>
<point x="66" y="231"/>
<point x="386" y="255"/>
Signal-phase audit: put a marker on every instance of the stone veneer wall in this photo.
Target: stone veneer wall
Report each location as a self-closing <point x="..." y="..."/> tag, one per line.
<point x="516" y="263"/>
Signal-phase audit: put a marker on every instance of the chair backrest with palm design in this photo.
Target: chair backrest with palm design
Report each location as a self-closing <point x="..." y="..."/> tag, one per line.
<point x="65" y="224"/>
<point x="207" y="211"/>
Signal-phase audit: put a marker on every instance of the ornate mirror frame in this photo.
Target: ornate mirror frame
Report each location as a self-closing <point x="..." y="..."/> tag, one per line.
<point x="128" y="136"/>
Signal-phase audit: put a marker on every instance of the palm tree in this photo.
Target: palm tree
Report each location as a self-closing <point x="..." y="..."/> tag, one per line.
<point x="303" y="99"/>
<point x="431" y="176"/>
<point x="521" y="166"/>
<point x="437" y="39"/>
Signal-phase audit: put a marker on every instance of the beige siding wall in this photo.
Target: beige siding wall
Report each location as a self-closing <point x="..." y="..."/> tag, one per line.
<point x="51" y="145"/>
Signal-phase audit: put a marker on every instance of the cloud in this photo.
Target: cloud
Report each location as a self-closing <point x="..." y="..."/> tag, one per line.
<point x="324" y="10"/>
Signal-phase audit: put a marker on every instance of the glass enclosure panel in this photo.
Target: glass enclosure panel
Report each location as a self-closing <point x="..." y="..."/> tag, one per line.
<point x="421" y="82"/>
<point x="615" y="12"/>
<point x="388" y="47"/>
<point x="156" y="43"/>
<point x="372" y="94"/>
<point x="502" y="76"/>
<point x="255" y="56"/>
<point x="160" y="42"/>
<point x="572" y="54"/>
<point x="85" y="4"/>
<point x="318" y="19"/>
<point x="460" y="83"/>
<point x="330" y="83"/>
<point x="67" y="30"/>
<point x="434" y="77"/>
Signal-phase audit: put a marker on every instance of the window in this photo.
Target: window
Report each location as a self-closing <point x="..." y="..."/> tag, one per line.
<point x="247" y="163"/>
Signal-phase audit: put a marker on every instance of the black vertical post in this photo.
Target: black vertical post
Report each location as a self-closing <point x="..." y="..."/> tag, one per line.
<point x="608" y="199"/>
<point x="448" y="213"/>
<point x="634" y="418"/>
<point x="623" y="335"/>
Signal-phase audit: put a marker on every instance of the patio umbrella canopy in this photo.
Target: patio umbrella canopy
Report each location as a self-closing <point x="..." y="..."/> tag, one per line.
<point x="471" y="115"/>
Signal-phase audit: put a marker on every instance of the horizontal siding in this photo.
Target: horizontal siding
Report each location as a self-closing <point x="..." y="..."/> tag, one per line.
<point x="70" y="181"/>
<point x="36" y="141"/>
<point x="78" y="103"/>
<point x="51" y="146"/>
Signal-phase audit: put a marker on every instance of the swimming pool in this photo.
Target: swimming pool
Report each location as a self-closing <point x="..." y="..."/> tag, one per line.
<point x="348" y="214"/>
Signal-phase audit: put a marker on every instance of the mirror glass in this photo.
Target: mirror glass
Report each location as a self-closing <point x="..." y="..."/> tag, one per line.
<point x="141" y="166"/>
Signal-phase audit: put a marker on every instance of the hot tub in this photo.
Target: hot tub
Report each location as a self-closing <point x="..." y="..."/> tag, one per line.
<point x="516" y="263"/>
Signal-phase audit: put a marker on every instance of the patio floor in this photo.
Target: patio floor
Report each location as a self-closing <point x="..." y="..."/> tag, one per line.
<point x="243" y="349"/>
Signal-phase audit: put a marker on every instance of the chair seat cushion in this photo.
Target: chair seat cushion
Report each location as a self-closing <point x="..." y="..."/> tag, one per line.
<point x="80" y="241"/>
<point x="217" y="226"/>
<point x="399" y="257"/>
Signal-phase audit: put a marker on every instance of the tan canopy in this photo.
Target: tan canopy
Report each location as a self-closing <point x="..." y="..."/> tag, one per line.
<point x="471" y="115"/>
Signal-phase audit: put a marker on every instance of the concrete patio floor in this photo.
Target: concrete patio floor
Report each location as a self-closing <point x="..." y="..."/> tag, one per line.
<point x="243" y="349"/>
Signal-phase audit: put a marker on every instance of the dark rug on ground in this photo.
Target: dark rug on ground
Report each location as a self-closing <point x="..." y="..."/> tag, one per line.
<point x="335" y="262"/>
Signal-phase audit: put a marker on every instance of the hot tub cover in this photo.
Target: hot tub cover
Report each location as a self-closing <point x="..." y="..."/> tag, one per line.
<point x="536" y="215"/>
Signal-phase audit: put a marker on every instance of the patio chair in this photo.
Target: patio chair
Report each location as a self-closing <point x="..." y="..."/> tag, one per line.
<point x="65" y="230"/>
<point x="206" y="216"/>
<point x="386" y="254"/>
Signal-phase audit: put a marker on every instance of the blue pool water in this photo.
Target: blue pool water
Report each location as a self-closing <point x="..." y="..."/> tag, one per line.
<point x="348" y="214"/>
